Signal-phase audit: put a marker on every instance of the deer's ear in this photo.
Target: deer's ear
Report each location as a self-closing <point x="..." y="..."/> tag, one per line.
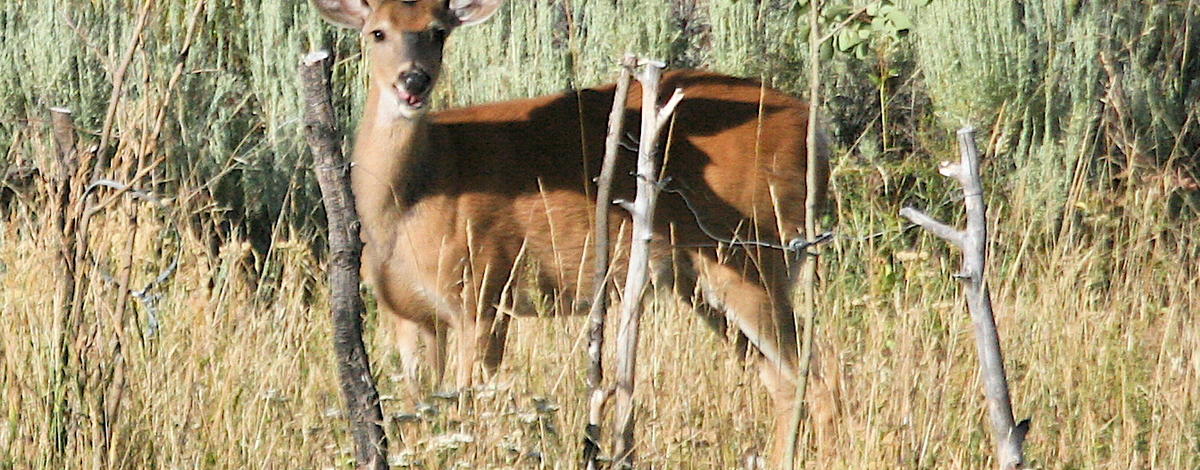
<point x="471" y="12"/>
<point x="347" y="13"/>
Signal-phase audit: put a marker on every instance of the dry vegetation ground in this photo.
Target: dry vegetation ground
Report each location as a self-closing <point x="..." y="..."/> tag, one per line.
<point x="235" y="369"/>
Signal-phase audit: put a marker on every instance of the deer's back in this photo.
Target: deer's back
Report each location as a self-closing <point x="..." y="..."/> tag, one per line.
<point x="518" y="176"/>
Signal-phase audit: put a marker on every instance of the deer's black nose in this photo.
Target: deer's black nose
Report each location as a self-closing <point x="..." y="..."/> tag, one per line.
<point x="416" y="82"/>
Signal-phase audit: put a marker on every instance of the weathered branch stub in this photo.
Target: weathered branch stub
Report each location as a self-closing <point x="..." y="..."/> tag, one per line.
<point x="1008" y="436"/>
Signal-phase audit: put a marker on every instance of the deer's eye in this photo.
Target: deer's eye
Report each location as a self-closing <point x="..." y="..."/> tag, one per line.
<point x="378" y="35"/>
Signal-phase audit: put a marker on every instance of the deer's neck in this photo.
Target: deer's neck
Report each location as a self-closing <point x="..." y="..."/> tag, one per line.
<point x="389" y="153"/>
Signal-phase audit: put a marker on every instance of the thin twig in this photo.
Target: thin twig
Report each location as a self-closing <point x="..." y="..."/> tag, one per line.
<point x="808" y="274"/>
<point x="176" y="75"/>
<point x="118" y="88"/>
<point x="83" y="215"/>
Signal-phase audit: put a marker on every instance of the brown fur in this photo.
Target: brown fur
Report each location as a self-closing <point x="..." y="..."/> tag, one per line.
<point x="465" y="208"/>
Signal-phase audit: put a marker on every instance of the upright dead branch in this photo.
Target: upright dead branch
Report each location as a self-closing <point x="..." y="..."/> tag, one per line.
<point x="354" y="368"/>
<point x="61" y="187"/>
<point x="1009" y="438"/>
<point x="654" y="118"/>
<point x="597" y="395"/>
<point x="808" y="275"/>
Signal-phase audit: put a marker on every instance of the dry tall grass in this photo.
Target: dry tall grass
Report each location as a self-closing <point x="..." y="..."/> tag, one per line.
<point x="236" y="373"/>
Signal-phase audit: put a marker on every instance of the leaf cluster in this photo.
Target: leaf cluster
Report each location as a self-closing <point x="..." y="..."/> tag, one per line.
<point x="857" y="30"/>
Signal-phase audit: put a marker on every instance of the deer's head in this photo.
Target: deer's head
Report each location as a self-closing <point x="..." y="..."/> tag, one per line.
<point x="404" y="41"/>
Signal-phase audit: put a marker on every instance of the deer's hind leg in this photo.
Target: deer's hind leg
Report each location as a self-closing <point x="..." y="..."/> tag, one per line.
<point x="752" y="296"/>
<point x="753" y="293"/>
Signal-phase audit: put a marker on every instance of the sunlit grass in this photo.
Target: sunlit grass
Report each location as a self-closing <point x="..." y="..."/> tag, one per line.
<point x="1099" y="343"/>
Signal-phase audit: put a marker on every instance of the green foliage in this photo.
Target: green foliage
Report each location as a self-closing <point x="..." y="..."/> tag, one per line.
<point x="855" y="27"/>
<point x="970" y="80"/>
<point x="1069" y="86"/>
<point x="231" y="125"/>
<point x="1072" y="87"/>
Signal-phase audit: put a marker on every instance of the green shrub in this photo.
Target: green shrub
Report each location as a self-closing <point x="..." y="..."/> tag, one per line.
<point x="1031" y="70"/>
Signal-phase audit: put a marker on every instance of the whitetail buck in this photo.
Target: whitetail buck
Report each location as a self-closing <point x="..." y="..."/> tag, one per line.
<point x="465" y="210"/>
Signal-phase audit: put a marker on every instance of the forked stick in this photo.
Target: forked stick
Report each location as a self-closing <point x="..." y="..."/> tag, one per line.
<point x="654" y="119"/>
<point x="597" y="394"/>
<point x="354" y="369"/>
<point x="1009" y="438"/>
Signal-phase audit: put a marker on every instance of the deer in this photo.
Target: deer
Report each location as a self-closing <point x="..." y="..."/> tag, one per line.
<point x="465" y="212"/>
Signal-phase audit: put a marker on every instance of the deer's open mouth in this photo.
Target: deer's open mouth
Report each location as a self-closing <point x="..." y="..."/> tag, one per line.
<point x="415" y="101"/>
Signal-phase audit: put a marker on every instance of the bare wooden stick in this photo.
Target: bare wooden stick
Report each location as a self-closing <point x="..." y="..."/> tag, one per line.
<point x="943" y="231"/>
<point x="808" y="274"/>
<point x="642" y="209"/>
<point x="118" y="89"/>
<point x="354" y="368"/>
<point x="1009" y="438"/>
<point x="63" y="127"/>
<point x="62" y="123"/>
<point x="597" y="395"/>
